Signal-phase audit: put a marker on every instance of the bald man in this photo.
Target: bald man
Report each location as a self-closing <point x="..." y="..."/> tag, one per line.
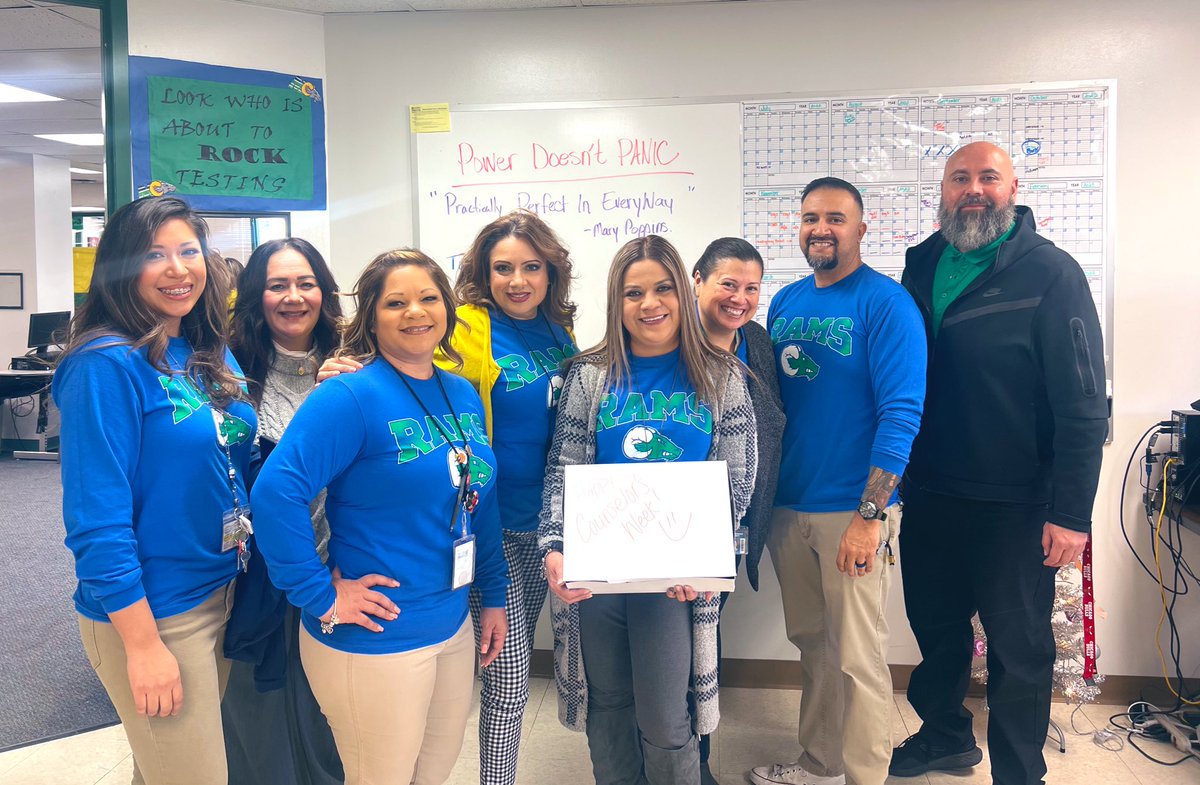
<point x="999" y="488"/>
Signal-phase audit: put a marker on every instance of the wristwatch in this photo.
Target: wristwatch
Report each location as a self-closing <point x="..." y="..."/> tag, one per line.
<point x="870" y="511"/>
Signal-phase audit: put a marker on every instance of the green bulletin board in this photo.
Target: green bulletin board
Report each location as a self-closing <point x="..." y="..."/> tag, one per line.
<point x="227" y="139"/>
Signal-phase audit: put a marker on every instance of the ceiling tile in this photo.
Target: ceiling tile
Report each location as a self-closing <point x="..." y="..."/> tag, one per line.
<point x="67" y="87"/>
<point x="50" y="62"/>
<point x="487" y="5"/>
<point x="41" y="28"/>
<point x="333" y="6"/>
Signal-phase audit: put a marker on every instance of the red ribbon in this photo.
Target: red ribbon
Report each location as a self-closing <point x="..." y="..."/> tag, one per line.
<point x="1089" y="618"/>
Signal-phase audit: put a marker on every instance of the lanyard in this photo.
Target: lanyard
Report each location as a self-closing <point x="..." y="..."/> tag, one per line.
<point x="467" y="499"/>
<point x="1089" y="617"/>
<point x="218" y="421"/>
<point x="521" y="334"/>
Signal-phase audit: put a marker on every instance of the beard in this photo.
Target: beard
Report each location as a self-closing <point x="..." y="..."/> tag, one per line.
<point x="966" y="232"/>
<point x="822" y="263"/>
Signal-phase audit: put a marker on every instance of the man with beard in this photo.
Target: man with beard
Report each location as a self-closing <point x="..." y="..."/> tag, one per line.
<point x="851" y="354"/>
<point x="998" y="493"/>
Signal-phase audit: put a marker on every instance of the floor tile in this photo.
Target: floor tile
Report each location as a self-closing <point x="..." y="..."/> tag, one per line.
<point x="11" y="758"/>
<point x="83" y="759"/>
<point x="1144" y="769"/>
<point x="121" y="775"/>
<point x="757" y="727"/>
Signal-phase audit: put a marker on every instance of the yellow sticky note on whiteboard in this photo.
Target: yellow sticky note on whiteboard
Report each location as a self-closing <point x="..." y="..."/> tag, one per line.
<point x="429" y="118"/>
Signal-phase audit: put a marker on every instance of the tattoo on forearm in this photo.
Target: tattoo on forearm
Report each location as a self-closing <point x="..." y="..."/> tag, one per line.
<point x="880" y="485"/>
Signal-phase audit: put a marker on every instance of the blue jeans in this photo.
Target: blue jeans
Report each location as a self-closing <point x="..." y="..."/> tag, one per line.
<point x="637" y="652"/>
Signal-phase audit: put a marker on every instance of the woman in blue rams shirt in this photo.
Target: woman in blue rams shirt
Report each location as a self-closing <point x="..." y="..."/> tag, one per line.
<point x="514" y="333"/>
<point x="413" y="520"/>
<point x="156" y="435"/>
<point x="644" y="645"/>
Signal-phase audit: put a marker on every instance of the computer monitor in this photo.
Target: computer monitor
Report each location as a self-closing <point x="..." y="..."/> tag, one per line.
<point x="47" y="329"/>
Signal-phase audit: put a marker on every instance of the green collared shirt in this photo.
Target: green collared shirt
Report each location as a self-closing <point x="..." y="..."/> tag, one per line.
<point x="956" y="271"/>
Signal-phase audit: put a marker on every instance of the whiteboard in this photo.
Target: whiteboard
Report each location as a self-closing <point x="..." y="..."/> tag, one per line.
<point x="599" y="175"/>
<point x="737" y="166"/>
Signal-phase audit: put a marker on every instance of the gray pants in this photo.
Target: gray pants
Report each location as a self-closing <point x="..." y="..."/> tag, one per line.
<point x="637" y="652"/>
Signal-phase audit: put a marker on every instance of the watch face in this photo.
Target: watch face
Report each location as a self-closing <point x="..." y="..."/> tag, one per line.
<point x="868" y="510"/>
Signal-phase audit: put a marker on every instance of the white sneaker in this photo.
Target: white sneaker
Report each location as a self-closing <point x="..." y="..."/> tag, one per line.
<point x="791" y="774"/>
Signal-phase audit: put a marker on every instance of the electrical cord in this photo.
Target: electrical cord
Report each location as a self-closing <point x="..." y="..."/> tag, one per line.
<point x="1163" y="502"/>
<point x="1143" y="723"/>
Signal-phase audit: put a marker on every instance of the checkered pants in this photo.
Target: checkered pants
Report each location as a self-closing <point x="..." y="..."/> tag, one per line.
<point x="506" y="680"/>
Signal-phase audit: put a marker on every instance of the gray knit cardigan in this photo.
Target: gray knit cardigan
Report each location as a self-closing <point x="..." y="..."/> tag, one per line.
<point x="733" y="441"/>
<point x="769" y="421"/>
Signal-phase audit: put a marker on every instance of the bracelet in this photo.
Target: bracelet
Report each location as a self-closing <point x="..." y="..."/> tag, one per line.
<point x="327" y="626"/>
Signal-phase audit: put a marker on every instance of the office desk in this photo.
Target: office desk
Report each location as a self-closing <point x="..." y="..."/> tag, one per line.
<point x="19" y="384"/>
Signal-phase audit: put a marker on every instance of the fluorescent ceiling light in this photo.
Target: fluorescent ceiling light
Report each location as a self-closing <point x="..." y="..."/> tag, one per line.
<point x="84" y="140"/>
<point x="77" y="170"/>
<point x="19" y="95"/>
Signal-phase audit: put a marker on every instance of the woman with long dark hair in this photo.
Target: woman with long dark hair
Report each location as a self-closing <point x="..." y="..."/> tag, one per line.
<point x="285" y="322"/>
<point x="156" y="437"/>
<point x="625" y="661"/>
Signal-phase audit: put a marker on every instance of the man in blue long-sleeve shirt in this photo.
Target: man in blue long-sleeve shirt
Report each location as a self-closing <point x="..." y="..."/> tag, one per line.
<point x="851" y="350"/>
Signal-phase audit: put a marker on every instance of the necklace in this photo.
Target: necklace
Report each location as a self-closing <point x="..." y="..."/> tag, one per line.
<point x="525" y="341"/>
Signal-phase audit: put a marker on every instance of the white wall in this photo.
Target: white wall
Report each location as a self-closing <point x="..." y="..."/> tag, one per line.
<point x="18" y="248"/>
<point x="379" y="64"/>
<point x="52" y="206"/>
<point x="35" y="239"/>
<point x="240" y="36"/>
<point x="88" y="194"/>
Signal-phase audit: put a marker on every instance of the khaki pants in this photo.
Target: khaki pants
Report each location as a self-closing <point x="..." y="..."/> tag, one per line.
<point x="189" y="748"/>
<point x="838" y="624"/>
<point x="396" y="718"/>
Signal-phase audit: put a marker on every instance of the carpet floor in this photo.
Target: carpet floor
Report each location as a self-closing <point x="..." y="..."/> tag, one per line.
<point x="48" y="686"/>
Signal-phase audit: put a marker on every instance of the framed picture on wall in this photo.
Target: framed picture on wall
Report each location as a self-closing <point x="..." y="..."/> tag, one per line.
<point x="12" y="291"/>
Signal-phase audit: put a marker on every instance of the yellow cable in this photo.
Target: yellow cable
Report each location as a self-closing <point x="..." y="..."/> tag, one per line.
<point x="1162" y="589"/>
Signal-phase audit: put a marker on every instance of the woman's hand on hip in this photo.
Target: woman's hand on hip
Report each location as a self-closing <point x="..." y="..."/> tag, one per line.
<point x="493" y="629"/>
<point x="356" y="603"/>
<point x="554" y="573"/>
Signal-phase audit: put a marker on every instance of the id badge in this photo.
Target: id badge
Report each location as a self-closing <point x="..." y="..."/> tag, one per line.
<point x="235" y="528"/>
<point x="464" y="562"/>
<point x="741" y="540"/>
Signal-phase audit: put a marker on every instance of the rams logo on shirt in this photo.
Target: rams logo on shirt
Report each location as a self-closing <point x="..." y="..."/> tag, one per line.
<point x="795" y="362"/>
<point x="644" y="443"/>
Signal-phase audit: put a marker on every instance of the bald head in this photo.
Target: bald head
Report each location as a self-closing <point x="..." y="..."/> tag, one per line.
<point x="980" y="156"/>
<point x="979" y="194"/>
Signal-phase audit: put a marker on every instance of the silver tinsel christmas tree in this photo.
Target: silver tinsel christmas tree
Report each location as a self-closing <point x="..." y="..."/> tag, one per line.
<point x="1067" y="622"/>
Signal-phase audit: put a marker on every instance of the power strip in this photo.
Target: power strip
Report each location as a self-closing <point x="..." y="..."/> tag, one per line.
<point x="1183" y="736"/>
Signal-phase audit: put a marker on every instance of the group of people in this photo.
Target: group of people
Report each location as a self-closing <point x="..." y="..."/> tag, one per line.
<point x="339" y="518"/>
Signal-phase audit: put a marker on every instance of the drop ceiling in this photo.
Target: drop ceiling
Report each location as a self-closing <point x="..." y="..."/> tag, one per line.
<point x="54" y="49"/>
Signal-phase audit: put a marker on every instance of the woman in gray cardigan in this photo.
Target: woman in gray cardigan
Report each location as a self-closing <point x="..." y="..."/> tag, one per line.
<point x="636" y="644"/>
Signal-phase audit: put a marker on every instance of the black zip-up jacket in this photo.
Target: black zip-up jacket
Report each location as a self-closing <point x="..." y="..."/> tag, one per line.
<point x="1015" y="407"/>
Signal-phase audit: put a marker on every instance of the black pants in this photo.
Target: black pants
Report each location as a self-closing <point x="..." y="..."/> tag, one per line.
<point x="961" y="556"/>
